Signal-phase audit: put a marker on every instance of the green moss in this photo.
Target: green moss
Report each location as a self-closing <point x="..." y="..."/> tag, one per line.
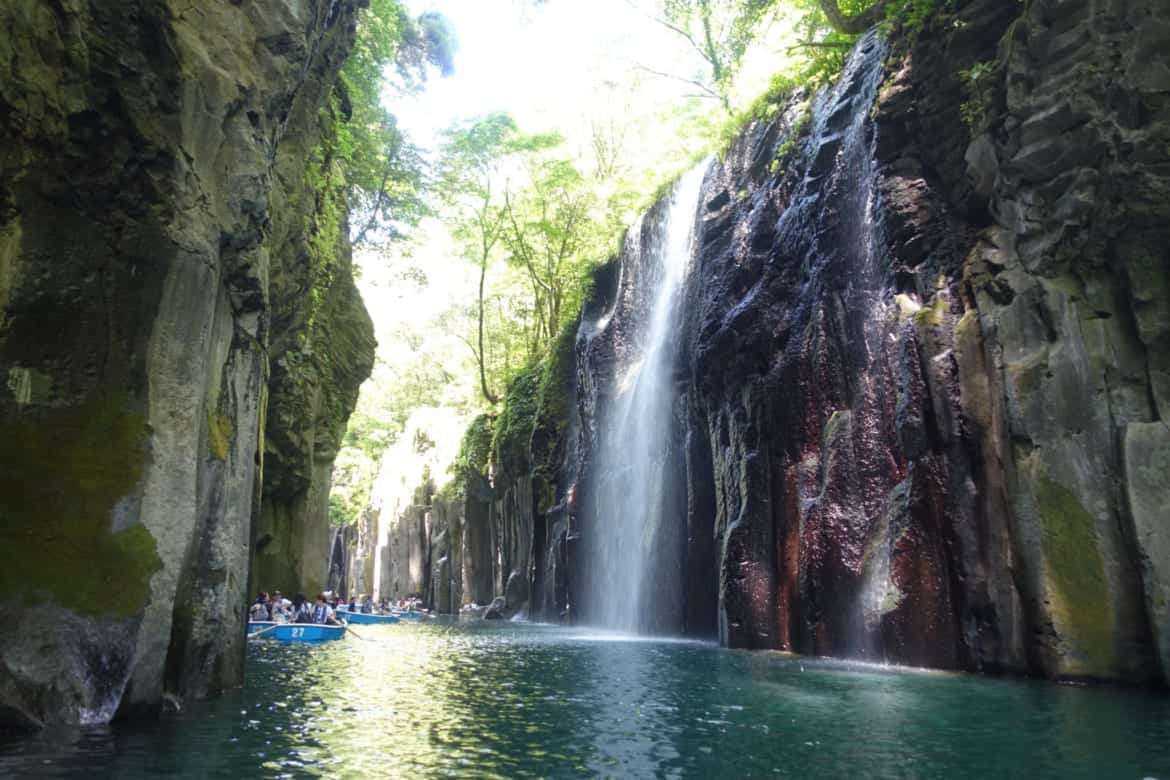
<point x="516" y="422"/>
<point x="934" y="315"/>
<point x="799" y="131"/>
<point x="1078" y="592"/>
<point x="65" y="471"/>
<point x="966" y="327"/>
<point x="474" y="451"/>
<point x="910" y="17"/>
<point x="1028" y="374"/>
<point x="557" y="373"/>
<point x="837" y="421"/>
<point x="219" y="435"/>
<point x="907" y="307"/>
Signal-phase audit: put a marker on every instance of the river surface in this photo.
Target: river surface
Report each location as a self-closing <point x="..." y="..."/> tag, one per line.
<point x="515" y="700"/>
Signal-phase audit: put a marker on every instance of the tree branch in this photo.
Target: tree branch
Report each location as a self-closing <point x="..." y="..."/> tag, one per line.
<point x="856" y="24"/>
<point x="819" y="45"/>
<point x="673" y="28"/>
<point x="708" y="92"/>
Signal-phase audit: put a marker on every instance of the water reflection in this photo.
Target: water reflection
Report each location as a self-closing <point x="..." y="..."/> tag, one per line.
<point x="479" y="700"/>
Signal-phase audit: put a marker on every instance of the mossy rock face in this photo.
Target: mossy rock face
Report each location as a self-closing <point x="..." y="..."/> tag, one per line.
<point x="68" y="471"/>
<point x="555" y="395"/>
<point x="1079" y="594"/>
<point x="513" y="429"/>
<point x="219" y="435"/>
<point x="474" y="452"/>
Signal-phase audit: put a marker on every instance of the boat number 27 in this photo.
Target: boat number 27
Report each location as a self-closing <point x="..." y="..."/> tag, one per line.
<point x="298" y="633"/>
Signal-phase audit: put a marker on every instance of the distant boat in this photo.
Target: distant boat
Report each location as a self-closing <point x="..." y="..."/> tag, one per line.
<point x="367" y="619"/>
<point x="346" y="612"/>
<point x="294" y="632"/>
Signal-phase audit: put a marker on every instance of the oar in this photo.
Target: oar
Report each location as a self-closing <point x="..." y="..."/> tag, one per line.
<point x="350" y="630"/>
<point x="263" y="631"/>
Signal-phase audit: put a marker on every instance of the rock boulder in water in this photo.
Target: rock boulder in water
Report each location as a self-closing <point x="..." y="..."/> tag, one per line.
<point x="495" y="610"/>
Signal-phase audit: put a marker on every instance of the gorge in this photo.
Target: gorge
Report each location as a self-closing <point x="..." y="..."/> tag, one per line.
<point x="916" y="396"/>
<point x="887" y="379"/>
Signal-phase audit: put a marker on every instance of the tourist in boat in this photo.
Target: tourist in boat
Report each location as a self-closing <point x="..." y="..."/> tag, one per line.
<point x="279" y="608"/>
<point x="322" y="612"/>
<point x="367" y="605"/>
<point x="259" y="609"/>
<point x="301" y="609"/>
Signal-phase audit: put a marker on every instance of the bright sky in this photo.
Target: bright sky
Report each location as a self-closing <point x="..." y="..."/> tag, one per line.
<point x="564" y="65"/>
<point x="546" y="64"/>
<point x="561" y="65"/>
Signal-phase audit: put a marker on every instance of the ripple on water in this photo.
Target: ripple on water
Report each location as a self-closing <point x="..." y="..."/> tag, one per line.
<point x="476" y="700"/>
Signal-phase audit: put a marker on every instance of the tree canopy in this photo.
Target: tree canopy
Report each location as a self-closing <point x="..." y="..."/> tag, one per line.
<point x="528" y="216"/>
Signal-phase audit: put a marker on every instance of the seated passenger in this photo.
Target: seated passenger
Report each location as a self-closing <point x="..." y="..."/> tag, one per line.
<point x="302" y="611"/>
<point x="322" y="612"/>
<point x="259" y="608"/>
<point x="279" y="608"/>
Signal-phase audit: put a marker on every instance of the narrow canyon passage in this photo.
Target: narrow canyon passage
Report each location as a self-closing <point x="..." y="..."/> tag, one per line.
<point x="624" y="388"/>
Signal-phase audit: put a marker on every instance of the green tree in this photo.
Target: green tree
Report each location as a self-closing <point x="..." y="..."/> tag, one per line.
<point x="719" y="33"/>
<point x="852" y="18"/>
<point x="552" y="233"/>
<point x="385" y="174"/>
<point x="473" y="176"/>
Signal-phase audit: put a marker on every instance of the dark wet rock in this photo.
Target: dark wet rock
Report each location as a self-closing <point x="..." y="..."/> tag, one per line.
<point x="924" y="398"/>
<point x="497" y="610"/>
<point x="151" y="272"/>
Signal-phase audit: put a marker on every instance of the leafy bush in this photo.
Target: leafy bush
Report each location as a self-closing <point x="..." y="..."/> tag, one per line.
<point x="979" y="83"/>
<point x="475" y="450"/>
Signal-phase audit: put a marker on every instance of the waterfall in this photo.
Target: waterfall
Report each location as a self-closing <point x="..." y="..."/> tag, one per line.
<point x="635" y="517"/>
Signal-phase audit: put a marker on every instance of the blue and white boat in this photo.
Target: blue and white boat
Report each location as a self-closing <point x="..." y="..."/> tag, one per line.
<point x="294" y="632"/>
<point x="367" y="619"/>
<point x="348" y="612"/>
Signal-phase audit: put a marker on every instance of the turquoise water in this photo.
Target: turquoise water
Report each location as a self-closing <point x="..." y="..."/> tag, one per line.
<point x="486" y="700"/>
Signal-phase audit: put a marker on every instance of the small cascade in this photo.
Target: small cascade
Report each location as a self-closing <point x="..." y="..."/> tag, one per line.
<point x="635" y="509"/>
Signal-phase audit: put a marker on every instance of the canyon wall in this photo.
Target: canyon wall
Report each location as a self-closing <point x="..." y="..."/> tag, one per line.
<point x="483" y="519"/>
<point x="161" y="241"/>
<point x="922" y="355"/>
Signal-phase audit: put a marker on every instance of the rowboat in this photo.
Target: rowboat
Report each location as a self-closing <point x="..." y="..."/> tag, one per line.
<point x="405" y="614"/>
<point x="366" y="619"/>
<point x="295" y="632"/>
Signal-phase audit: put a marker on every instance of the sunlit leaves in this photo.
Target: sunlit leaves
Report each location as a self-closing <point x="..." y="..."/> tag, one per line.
<point x="385" y="174"/>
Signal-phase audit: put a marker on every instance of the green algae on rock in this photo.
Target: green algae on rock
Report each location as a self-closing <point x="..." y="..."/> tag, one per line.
<point x="1080" y="601"/>
<point x="68" y="470"/>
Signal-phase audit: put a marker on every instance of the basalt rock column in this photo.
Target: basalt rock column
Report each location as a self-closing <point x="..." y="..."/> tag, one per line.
<point x="140" y="146"/>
